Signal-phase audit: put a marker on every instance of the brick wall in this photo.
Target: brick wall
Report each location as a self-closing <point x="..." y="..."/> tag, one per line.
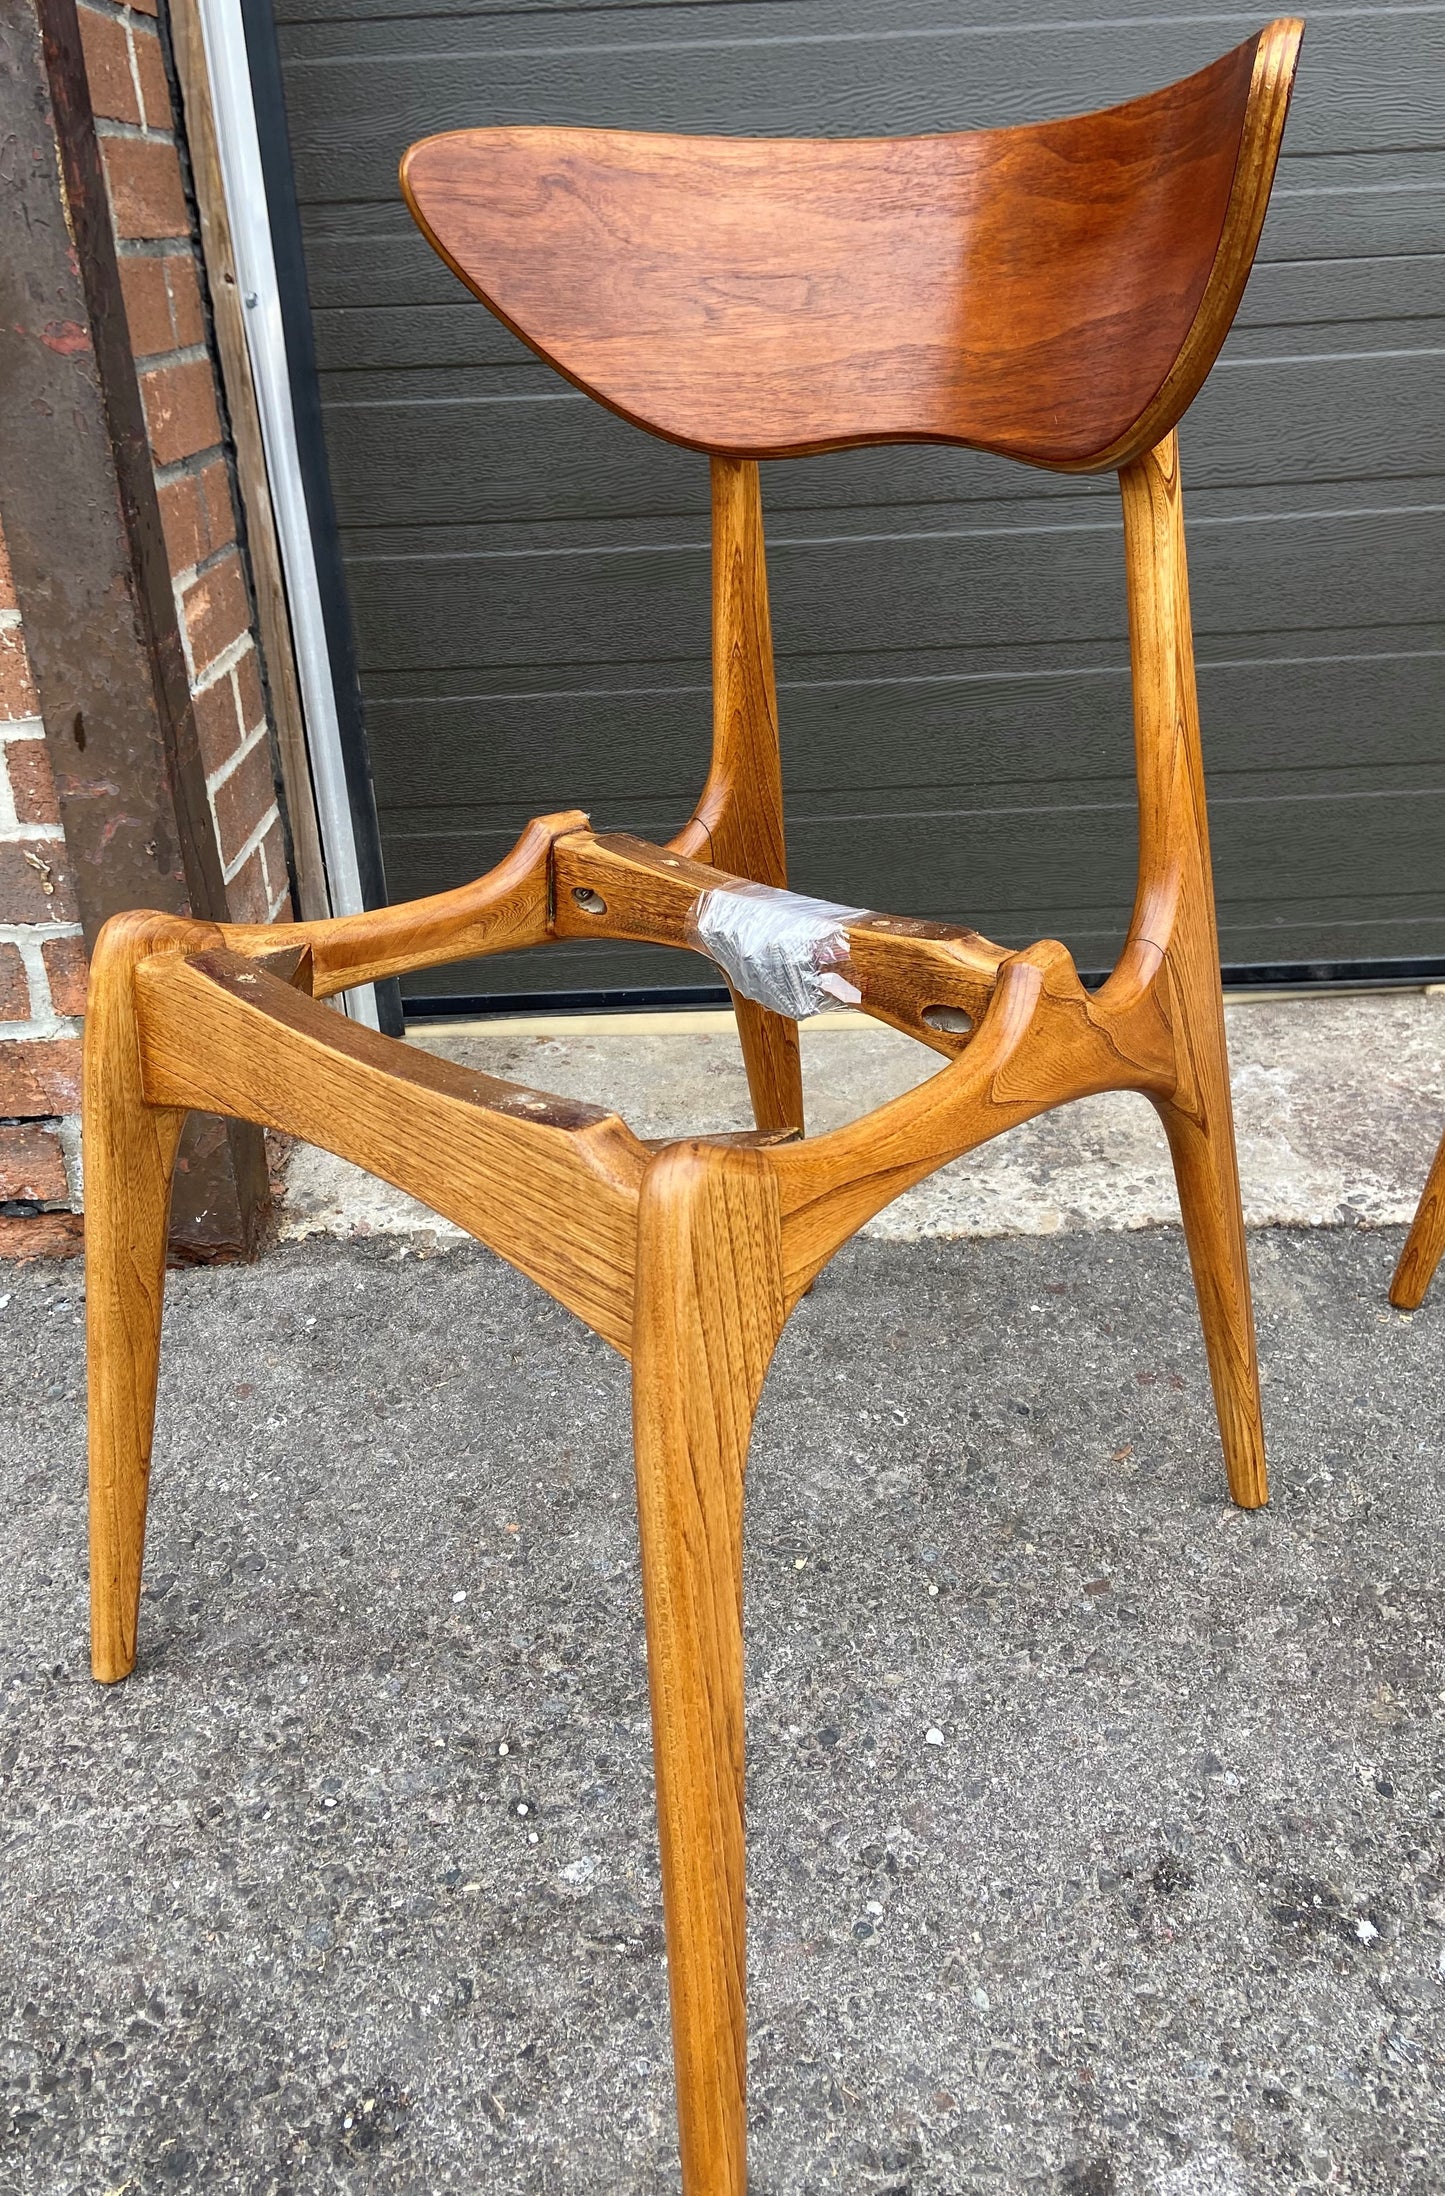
<point x="162" y="278"/>
<point x="42" y="960"/>
<point x="42" y="965"/>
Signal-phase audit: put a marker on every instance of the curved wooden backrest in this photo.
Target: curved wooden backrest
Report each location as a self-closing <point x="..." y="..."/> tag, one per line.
<point x="1057" y="292"/>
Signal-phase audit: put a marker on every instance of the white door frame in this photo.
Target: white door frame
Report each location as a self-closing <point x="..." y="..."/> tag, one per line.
<point x="243" y="180"/>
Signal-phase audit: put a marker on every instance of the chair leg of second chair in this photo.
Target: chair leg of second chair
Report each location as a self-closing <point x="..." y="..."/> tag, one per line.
<point x="709" y="1312"/>
<point x="1425" y="1242"/>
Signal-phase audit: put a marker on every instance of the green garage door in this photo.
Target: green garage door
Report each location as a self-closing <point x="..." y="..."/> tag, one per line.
<point x="529" y="576"/>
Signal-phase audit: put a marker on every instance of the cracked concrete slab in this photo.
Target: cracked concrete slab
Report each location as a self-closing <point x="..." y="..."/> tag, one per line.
<point x="1339" y="1099"/>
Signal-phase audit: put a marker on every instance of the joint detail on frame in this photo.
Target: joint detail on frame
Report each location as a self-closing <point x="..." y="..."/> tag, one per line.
<point x="781" y="949"/>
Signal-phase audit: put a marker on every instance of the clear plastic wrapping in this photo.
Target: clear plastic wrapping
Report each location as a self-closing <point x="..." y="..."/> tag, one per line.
<point x="785" y="951"/>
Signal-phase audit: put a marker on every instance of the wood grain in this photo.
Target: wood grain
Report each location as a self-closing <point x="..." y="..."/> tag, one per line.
<point x="615" y="886"/>
<point x="1041" y="1041"/>
<point x="1174" y="914"/>
<point x="709" y="1311"/>
<point x="738" y="821"/>
<point x="509" y="907"/>
<point x="130" y="1149"/>
<point x="548" y="1183"/>
<point x="1056" y="292"/>
<point x="1424" y="1243"/>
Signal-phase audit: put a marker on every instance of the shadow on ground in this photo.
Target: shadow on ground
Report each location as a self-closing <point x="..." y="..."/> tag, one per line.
<point x="1097" y="1830"/>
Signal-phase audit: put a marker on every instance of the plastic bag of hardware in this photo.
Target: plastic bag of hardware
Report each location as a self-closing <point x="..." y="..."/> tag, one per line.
<point x="785" y="951"/>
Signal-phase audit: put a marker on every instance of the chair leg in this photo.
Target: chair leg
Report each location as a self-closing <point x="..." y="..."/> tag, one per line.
<point x="774" y="1063"/>
<point x="1424" y="1243"/>
<point x="129" y="1150"/>
<point x="709" y="1311"/>
<point x="1200" y="1126"/>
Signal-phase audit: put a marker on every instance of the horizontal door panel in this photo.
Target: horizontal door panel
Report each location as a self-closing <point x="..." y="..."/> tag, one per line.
<point x="1299" y="574"/>
<point x="638" y="760"/>
<point x="1330" y="413"/>
<point x="352" y="117"/>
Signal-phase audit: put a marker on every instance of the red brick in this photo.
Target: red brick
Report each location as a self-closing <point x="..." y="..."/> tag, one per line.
<point x="7" y="579"/>
<point x="68" y="969"/>
<point x="147" y="304"/>
<point x="14" y="986"/>
<point x="39" y="1075"/>
<point x="273" y="846"/>
<point x="32" y="1166"/>
<point x="183" y="522"/>
<point x="23" y="894"/>
<point x="217" y="726"/>
<point x="31" y="785"/>
<point x="151" y="69"/>
<point x="241" y="800"/>
<point x="248" y="684"/>
<point x="107" y="67"/>
<point x="41" y="1235"/>
<point x="17" y="694"/>
<point x="217" y="611"/>
<point x="215" y="480"/>
<point x="180" y="404"/>
<point x="185" y="299"/>
<point x="246" y="897"/>
<point x="196" y="515"/>
<point x="144" y="7"/>
<point x="145" y="187"/>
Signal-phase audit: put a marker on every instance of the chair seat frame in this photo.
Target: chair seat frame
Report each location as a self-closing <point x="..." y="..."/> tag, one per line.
<point x="688" y="1256"/>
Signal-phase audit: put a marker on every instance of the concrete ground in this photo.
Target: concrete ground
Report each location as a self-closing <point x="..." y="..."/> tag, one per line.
<point x="1097" y="1830"/>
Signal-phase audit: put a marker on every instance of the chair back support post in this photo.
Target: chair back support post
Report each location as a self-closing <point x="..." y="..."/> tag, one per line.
<point x="1168" y="764"/>
<point x="1174" y="918"/>
<point x="737" y="824"/>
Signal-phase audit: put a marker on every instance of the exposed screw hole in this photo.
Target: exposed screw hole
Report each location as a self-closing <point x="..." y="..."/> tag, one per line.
<point x="590" y="902"/>
<point x="950" y="1018"/>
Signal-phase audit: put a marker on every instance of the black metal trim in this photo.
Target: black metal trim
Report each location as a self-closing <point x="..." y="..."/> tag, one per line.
<point x="268" y="93"/>
<point x="644" y="999"/>
<point x="1401" y="975"/>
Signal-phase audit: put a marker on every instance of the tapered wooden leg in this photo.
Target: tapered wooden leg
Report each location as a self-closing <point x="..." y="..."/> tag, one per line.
<point x="1199" y="1123"/>
<point x="1425" y="1241"/>
<point x="1207" y="1173"/>
<point x="1174" y="912"/>
<point x="774" y="1063"/>
<point x="709" y="1310"/>
<point x="129" y="1151"/>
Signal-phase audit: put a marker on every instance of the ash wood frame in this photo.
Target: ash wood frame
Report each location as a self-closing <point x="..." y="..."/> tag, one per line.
<point x="688" y="1259"/>
<point x="687" y="1256"/>
<point x="1425" y="1243"/>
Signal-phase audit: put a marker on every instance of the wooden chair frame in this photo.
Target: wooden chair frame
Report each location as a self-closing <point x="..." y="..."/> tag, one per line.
<point x="686" y="1256"/>
<point x="1425" y="1243"/>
